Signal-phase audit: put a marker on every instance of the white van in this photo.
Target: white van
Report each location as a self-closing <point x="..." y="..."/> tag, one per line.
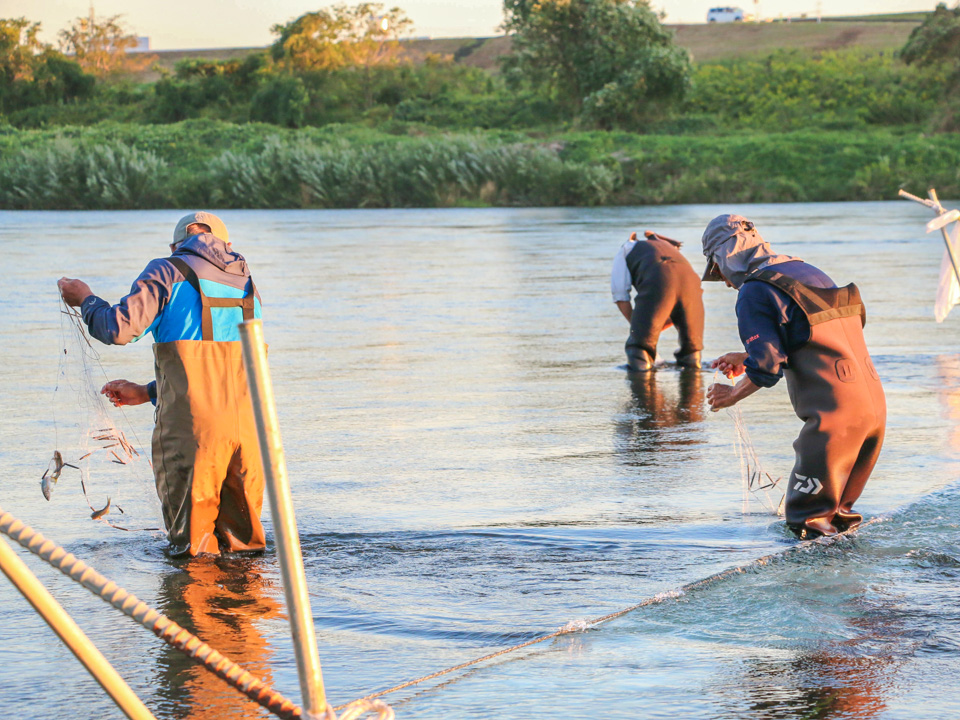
<point x="725" y="14"/>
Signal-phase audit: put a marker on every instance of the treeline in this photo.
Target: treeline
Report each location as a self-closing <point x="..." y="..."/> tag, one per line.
<point x="338" y="66"/>
<point x="789" y="90"/>
<point x="203" y="162"/>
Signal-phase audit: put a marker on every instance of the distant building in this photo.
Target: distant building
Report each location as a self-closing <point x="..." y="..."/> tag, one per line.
<point x="143" y="45"/>
<point x="725" y="14"/>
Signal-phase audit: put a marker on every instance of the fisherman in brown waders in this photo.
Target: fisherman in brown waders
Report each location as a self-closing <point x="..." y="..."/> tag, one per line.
<point x="205" y="454"/>
<point x="795" y="322"/>
<point x="668" y="293"/>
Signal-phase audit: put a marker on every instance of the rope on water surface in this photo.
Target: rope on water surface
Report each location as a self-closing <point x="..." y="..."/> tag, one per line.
<point x="162" y="626"/>
<point x="171" y="633"/>
<point x="582" y="625"/>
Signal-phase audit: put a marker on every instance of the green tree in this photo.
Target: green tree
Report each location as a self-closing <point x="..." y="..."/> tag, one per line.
<point x="936" y="43"/>
<point x="936" y="40"/>
<point x="282" y="101"/>
<point x="32" y="73"/>
<point x="341" y="36"/>
<point x="611" y="58"/>
<point x="101" y="47"/>
<point x="19" y="49"/>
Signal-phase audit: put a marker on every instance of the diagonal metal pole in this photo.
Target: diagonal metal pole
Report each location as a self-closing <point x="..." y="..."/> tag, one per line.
<point x="284" y="520"/>
<point x="73" y="637"/>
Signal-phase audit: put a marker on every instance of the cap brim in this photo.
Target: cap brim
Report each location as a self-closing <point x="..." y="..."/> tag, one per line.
<point x="712" y="273"/>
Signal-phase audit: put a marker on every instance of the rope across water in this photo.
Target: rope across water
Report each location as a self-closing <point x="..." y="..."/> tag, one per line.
<point x="579" y="626"/>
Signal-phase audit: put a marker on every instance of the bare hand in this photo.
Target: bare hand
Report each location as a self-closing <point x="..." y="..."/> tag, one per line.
<point x="124" y="392"/>
<point x="720" y="396"/>
<point x="74" y="292"/>
<point x="730" y="364"/>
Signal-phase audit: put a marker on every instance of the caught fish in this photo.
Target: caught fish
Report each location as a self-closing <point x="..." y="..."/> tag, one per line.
<point x="97" y="514"/>
<point x="52" y="474"/>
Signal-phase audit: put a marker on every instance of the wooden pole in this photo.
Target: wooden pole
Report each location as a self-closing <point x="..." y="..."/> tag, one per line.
<point x="284" y="519"/>
<point x="73" y="637"/>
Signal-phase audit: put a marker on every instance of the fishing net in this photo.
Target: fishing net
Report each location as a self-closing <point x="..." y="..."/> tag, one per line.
<point x="757" y="484"/>
<point x="95" y="444"/>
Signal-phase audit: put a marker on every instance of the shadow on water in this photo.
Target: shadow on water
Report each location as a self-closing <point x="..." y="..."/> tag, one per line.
<point x="222" y="601"/>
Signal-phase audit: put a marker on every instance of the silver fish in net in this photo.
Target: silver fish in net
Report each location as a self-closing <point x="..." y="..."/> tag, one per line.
<point x="52" y="473"/>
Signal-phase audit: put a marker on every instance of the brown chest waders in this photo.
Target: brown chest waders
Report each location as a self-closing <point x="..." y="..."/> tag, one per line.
<point x="668" y="289"/>
<point x="206" y="459"/>
<point x="835" y="390"/>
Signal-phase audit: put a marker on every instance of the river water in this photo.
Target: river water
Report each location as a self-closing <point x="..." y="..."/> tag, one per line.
<point x="472" y="468"/>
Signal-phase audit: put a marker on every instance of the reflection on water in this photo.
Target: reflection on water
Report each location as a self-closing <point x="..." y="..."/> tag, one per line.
<point x="948" y="390"/>
<point x="835" y="679"/>
<point x="224" y="602"/>
<point x="818" y="686"/>
<point x="664" y="413"/>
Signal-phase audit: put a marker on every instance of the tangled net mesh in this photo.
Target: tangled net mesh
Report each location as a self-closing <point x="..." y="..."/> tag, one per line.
<point x="90" y="445"/>
<point x="756" y="483"/>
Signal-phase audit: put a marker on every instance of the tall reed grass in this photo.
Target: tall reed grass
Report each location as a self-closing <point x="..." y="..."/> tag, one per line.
<point x="71" y="176"/>
<point x="223" y="165"/>
<point x="438" y="172"/>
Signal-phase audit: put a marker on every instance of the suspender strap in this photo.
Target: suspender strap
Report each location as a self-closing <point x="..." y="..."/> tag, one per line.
<point x="650" y="235"/>
<point x="818" y="304"/>
<point x="206" y="317"/>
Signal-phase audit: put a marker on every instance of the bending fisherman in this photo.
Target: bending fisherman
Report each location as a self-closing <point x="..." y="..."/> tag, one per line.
<point x="206" y="459"/>
<point x="795" y="322"/>
<point x="668" y="293"/>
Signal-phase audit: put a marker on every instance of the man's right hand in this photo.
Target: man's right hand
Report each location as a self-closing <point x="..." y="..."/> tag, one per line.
<point x="124" y="392"/>
<point x="730" y="364"/>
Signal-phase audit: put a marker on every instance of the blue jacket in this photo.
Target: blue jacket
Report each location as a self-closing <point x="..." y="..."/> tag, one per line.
<point x="771" y="323"/>
<point x="163" y="303"/>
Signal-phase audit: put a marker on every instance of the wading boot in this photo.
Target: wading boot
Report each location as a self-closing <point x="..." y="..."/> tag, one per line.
<point x="691" y="360"/>
<point x="638" y="360"/>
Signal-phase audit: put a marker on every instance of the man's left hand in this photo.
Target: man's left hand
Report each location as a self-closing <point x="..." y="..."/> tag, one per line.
<point x="721" y="396"/>
<point x="74" y="292"/>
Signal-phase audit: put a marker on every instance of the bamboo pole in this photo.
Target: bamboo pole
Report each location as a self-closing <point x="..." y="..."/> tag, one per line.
<point x="946" y="236"/>
<point x="284" y="520"/>
<point x="73" y="637"/>
<point x="934" y="204"/>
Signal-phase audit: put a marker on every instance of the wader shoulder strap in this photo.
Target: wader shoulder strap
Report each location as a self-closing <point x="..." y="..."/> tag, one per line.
<point x="206" y="317"/>
<point x="650" y="235"/>
<point x="818" y="304"/>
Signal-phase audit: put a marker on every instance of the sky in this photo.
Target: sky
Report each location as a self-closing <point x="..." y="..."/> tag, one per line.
<point x="193" y="24"/>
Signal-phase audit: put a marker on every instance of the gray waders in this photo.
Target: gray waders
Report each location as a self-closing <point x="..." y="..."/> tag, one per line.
<point x="668" y="290"/>
<point x="836" y="391"/>
<point x="206" y="459"/>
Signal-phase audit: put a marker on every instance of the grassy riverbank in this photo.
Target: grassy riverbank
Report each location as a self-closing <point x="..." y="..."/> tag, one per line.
<point x="218" y="164"/>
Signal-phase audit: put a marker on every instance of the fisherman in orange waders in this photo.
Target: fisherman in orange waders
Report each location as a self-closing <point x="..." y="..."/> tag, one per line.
<point x="206" y="460"/>
<point x="795" y="322"/>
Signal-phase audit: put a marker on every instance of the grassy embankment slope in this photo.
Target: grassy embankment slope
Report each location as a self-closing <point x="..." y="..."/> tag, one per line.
<point x="706" y="43"/>
<point x="402" y="164"/>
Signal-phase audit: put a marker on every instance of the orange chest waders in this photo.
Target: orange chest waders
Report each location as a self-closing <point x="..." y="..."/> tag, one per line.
<point x="205" y="454"/>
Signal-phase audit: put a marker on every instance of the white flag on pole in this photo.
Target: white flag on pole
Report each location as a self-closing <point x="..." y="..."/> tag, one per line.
<point x="948" y="290"/>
